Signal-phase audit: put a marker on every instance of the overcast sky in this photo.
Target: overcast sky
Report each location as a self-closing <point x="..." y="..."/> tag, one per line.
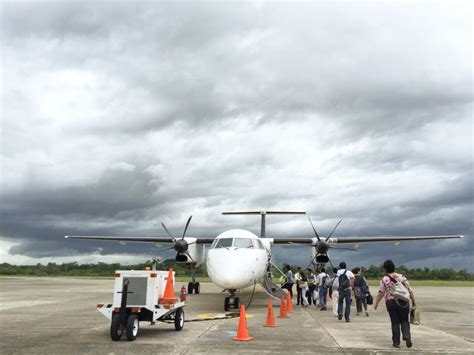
<point x="116" y="116"/>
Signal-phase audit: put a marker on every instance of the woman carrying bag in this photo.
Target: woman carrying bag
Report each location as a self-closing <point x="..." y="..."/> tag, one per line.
<point x="303" y="282"/>
<point x="396" y="290"/>
<point x="361" y="290"/>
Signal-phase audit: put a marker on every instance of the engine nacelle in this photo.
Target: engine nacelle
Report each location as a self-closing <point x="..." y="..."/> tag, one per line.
<point x="195" y="252"/>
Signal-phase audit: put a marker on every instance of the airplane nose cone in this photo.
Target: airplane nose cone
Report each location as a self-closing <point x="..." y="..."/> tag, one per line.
<point x="227" y="270"/>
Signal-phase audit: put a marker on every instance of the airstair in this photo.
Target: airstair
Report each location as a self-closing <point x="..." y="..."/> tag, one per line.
<point x="272" y="289"/>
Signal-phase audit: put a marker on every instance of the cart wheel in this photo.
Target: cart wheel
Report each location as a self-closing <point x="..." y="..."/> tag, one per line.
<point x="226" y="304"/>
<point x="197" y="287"/>
<point x="179" y="319"/>
<point x="190" y="288"/>
<point x="133" y="325"/>
<point x="116" y="329"/>
<point x="236" y="302"/>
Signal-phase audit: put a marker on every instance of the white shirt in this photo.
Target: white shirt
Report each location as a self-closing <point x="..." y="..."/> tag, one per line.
<point x="349" y="275"/>
<point x="335" y="283"/>
<point x="319" y="278"/>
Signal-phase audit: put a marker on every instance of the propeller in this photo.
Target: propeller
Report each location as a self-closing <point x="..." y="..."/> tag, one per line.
<point x="180" y="245"/>
<point x="322" y="246"/>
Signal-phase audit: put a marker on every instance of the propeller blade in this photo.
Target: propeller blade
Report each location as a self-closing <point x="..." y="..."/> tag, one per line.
<point x="311" y="262"/>
<point x="314" y="229"/>
<point x="341" y="248"/>
<point x="167" y="231"/>
<point x="330" y="261"/>
<point x="164" y="249"/>
<point x="186" y="228"/>
<point x="189" y="256"/>
<point x="330" y="235"/>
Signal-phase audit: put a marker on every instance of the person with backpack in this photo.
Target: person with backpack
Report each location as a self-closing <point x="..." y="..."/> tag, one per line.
<point x="323" y="288"/>
<point x="346" y="283"/>
<point x="361" y="290"/>
<point x="396" y="290"/>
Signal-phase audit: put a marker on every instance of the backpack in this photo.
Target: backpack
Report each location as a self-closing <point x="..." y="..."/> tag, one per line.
<point x="325" y="281"/>
<point x="344" y="281"/>
<point x="400" y="292"/>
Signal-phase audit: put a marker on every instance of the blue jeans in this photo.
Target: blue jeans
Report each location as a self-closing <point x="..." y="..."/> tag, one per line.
<point x="344" y="295"/>
<point x="322" y="296"/>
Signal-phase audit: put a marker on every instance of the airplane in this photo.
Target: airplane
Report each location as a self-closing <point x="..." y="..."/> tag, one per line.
<point x="238" y="258"/>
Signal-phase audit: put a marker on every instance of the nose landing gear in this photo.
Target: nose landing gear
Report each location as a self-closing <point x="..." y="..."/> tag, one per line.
<point x="231" y="301"/>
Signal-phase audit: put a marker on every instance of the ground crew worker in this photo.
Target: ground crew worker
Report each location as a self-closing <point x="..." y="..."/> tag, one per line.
<point x="311" y="286"/>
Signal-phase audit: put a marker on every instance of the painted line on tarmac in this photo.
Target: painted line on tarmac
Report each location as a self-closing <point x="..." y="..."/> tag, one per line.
<point x="329" y="333"/>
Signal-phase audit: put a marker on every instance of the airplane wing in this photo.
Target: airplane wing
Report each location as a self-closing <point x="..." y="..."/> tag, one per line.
<point x="352" y="240"/>
<point x="125" y="239"/>
<point x="391" y="239"/>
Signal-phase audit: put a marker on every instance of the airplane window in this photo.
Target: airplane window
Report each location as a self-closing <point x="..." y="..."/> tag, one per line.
<point x="243" y="243"/>
<point x="223" y="243"/>
<point x="257" y="243"/>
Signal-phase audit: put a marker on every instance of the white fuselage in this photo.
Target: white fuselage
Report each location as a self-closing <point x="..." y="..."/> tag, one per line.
<point x="237" y="259"/>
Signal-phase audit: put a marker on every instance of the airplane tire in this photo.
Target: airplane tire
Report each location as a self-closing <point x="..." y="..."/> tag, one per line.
<point x="179" y="319"/>
<point x="116" y="329"/>
<point x="236" y="302"/>
<point x="190" y="288"/>
<point x="197" y="287"/>
<point x="133" y="326"/>
<point x="226" y="304"/>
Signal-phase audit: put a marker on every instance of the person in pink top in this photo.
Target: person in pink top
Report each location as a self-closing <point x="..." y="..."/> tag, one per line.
<point x="398" y="310"/>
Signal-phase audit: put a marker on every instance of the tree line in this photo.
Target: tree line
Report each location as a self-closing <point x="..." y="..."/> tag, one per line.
<point x="376" y="272"/>
<point x="104" y="269"/>
<point x="99" y="269"/>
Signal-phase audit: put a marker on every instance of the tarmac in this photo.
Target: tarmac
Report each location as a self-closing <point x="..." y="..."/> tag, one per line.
<point x="58" y="316"/>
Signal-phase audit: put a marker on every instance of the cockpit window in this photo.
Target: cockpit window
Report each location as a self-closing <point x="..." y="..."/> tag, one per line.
<point x="223" y="243"/>
<point x="257" y="244"/>
<point x="243" y="243"/>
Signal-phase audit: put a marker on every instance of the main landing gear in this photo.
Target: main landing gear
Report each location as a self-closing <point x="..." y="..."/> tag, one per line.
<point x="193" y="286"/>
<point x="231" y="301"/>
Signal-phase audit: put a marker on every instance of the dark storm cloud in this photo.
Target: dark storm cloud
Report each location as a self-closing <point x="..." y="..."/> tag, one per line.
<point x="116" y="116"/>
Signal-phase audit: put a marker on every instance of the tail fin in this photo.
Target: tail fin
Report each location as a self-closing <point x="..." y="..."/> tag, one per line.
<point x="262" y="213"/>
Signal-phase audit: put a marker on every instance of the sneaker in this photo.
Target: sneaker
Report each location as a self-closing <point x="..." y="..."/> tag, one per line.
<point x="396" y="345"/>
<point x="357" y="313"/>
<point x="409" y="343"/>
<point x="366" y="314"/>
<point x="339" y="317"/>
<point x="348" y="320"/>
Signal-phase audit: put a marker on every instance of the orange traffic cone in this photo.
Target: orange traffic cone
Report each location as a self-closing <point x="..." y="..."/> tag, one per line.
<point x="270" y="316"/>
<point x="289" y="305"/>
<point x="168" y="295"/>
<point x="282" y="313"/>
<point x="242" y="331"/>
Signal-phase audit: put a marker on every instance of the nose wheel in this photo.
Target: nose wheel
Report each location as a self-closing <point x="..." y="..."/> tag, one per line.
<point x="231" y="301"/>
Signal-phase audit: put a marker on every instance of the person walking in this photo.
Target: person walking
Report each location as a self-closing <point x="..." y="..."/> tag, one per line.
<point x="391" y="285"/>
<point x="311" y="286"/>
<point x="334" y="294"/>
<point x="361" y="290"/>
<point x="290" y="281"/>
<point x="323" y="288"/>
<point x="299" y="299"/>
<point x="346" y="283"/>
<point x="304" y="288"/>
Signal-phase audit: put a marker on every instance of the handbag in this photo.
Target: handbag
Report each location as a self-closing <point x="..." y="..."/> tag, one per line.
<point x="415" y="316"/>
<point x="400" y="292"/>
<point x="370" y="299"/>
